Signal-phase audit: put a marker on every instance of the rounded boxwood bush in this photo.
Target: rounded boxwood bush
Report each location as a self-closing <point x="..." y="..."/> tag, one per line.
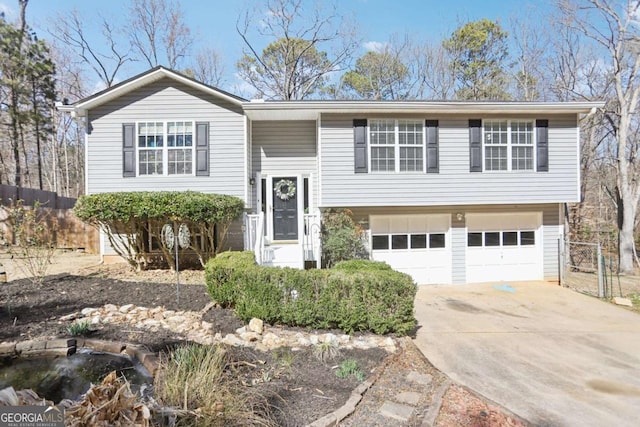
<point x="354" y="296"/>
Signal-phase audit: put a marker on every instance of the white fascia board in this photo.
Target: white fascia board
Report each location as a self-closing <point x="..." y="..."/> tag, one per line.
<point x="82" y="107"/>
<point x="307" y="110"/>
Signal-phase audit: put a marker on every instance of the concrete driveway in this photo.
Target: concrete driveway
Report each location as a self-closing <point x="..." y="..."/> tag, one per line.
<point x="550" y="355"/>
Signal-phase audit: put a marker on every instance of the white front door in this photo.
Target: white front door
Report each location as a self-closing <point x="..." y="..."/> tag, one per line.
<point x="419" y="245"/>
<point x="504" y="247"/>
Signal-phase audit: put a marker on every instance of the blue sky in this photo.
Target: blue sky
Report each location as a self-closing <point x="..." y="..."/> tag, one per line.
<point x="213" y="21"/>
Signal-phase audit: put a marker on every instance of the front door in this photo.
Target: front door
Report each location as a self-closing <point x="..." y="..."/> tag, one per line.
<point x="285" y="208"/>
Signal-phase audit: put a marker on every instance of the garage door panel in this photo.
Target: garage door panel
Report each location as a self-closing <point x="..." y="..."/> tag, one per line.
<point x="415" y="257"/>
<point x="511" y="247"/>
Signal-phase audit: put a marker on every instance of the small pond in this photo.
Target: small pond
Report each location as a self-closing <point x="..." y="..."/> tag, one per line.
<point x="71" y="376"/>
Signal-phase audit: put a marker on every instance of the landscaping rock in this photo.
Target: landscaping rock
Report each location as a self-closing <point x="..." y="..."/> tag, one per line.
<point x="250" y="336"/>
<point x="231" y="339"/>
<point x="623" y="301"/>
<point x="87" y="311"/>
<point x="256" y="325"/>
<point x="126" y="308"/>
<point x="256" y="334"/>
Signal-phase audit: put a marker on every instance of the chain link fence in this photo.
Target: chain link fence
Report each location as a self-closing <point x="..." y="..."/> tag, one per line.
<point x="586" y="269"/>
<point x="583" y="268"/>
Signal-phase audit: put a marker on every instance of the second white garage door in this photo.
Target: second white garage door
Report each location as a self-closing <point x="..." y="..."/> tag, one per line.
<point x="502" y="247"/>
<point x="419" y="245"/>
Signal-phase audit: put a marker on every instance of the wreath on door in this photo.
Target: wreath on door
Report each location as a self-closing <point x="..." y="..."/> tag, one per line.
<point x="285" y="189"/>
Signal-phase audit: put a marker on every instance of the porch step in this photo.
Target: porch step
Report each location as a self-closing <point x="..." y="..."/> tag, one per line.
<point x="283" y="255"/>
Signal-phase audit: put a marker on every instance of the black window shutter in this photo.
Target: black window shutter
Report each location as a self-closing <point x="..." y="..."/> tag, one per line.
<point x="542" y="145"/>
<point x="202" y="148"/>
<point x="360" y="145"/>
<point x="475" y="145"/>
<point x="128" y="150"/>
<point x="432" y="146"/>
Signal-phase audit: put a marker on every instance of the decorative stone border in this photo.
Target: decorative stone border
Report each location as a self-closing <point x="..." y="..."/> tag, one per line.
<point x="67" y="347"/>
<point x="189" y="324"/>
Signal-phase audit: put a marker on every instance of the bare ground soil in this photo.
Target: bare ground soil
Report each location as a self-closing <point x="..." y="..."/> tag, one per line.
<point x="301" y="388"/>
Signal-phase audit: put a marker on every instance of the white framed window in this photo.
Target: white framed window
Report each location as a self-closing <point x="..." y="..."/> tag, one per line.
<point x="396" y="145"/>
<point x="165" y="148"/>
<point x="508" y="145"/>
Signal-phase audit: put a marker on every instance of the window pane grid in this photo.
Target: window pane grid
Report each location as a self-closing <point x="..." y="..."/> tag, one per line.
<point x="396" y="145"/>
<point x="508" y="145"/>
<point x="411" y="159"/>
<point x="178" y="159"/>
<point x="150" y="162"/>
<point x="382" y="132"/>
<point x="501" y="238"/>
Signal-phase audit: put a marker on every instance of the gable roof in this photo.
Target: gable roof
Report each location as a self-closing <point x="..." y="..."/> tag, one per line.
<point x="154" y="74"/>
<point x="311" y="109"/>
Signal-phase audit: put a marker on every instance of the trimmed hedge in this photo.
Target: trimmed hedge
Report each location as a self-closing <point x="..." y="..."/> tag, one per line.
<point x="353" y="296"/>
<point x="138" y="214"/>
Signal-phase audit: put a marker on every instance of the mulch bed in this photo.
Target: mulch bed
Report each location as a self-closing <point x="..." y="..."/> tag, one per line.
<point x="301" y="387"/>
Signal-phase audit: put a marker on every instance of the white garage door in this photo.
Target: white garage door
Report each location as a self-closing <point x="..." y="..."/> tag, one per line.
<point x="502" y="247"/>
<point x="419" y="245"/>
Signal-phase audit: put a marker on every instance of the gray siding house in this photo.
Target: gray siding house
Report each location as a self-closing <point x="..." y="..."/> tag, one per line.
<point x="448" y="192"/>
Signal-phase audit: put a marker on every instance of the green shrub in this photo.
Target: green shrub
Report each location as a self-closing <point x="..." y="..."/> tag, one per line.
<point x="225" y="276"/>
<point x="141" y="215"/>
<point x="372" y="297"/>
<point x="80" y="328"/>
<point x="342" y="238"/>
<point x="348" y="368"/>
<point x="362" y="264"/>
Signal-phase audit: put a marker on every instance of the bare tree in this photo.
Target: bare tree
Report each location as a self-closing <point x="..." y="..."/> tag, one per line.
<point x="433" y="73"/>
<point x="306" y="48"/>
<point x="529" y="43"/>
<point x="159" y="32"/>
<point x="207" y="67"/>
<point x="613" y="27"/>
<point x="105" y="58"/>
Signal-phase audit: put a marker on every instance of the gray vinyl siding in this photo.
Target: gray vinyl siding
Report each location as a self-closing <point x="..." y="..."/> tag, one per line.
<point x="285" y="147"/>
<point x="167" y="100"/>
<point x="454" y="184"/>
<point x="551" y="229"/>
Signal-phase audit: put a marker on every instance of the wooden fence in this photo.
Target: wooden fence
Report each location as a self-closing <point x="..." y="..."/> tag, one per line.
<point x="66" y="231"/>
<point x="29" y="196"/>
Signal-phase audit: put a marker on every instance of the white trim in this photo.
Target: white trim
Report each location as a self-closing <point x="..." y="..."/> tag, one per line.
<point x="247" y="160"/>
<point x="299" y="201"/>
<point x="165" y="148"/>
<point x="510" y="145"/>
<point x="397" y="145"/>
<point x="308" y="110"/>
<point x="578" y="157"/>
<point x="87" y="124"/>
<point x="83" y="106"/>
<point x="319" y="157"/>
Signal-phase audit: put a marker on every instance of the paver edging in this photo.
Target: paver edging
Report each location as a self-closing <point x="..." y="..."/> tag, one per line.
<point x="334" y="418"/>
